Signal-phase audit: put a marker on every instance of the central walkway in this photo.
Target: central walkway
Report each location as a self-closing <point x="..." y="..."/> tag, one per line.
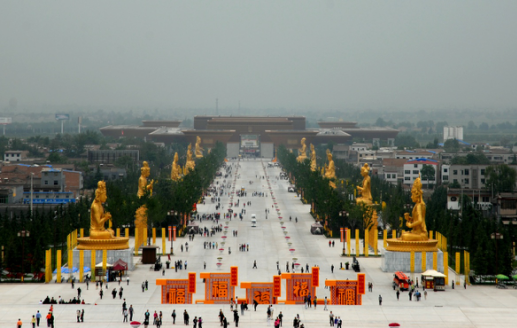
<point x="473" y="307"/>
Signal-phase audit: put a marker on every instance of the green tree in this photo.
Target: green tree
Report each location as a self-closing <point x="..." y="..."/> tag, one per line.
<point x="451" y="146"/>
<point x="428" y="173"/>
<point x="500" y="178"/>
<point x="406" y="141"/>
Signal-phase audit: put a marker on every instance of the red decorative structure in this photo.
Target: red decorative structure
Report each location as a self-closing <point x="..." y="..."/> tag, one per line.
<point x="178" y="291"/>
<point x="219" y="287"/>
<point x="299" y="285"/>
<point x="347" y="292"/>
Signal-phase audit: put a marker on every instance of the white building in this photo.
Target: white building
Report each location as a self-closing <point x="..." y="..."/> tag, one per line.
<point x="452" y="132"/>
<point x="413" y="167"/>
<point x="15" y="155"/>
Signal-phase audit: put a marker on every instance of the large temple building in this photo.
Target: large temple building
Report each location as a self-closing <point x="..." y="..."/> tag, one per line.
<point x="252" y="135"/>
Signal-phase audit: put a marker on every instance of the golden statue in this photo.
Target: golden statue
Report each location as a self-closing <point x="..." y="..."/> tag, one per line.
<point x="190" y="165"/>
<point x="100" y="237"/>
<point x="330" y="169"/>
<point x="313" y="159"/>
<point x="365" y="190"/>
<point x="416" y="239"/>
<point x="141" y="212"/>
<point x="199" y="150"/>
<point x="302" y="152"/>
<point x="176" y="169"/>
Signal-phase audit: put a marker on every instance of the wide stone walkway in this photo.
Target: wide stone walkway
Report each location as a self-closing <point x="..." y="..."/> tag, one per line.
<point x="473" y="307"/>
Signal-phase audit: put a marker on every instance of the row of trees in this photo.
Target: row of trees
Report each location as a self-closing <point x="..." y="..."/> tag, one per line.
<point x="467" y="230"/>
<point x="49" y="229"/>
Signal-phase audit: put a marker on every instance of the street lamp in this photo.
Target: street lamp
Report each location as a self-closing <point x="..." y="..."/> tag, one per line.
<point x="344" y="214"/>
<point x="23" y="234"/>
<point x="172" y="214"/>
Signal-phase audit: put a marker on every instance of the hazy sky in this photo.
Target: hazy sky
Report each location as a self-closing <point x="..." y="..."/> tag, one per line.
<point x="265" y="54"/>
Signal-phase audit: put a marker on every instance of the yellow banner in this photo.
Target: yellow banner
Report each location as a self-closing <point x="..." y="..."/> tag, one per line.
<point x="424" y="259"/>
<point x="70" y="261"/>
<point x="81" y="265"/>
<point x="144" y="241"/>
<point x="137" y="242"/>
<point x="118" y="232"/>
<point x="446" y="267"/>
<point x="164" y="239"/>
<point x="357" y="242"/>
<point x="366" y="241"/>
<point x="48" y="266"/>
<point x="431" y="234"/>
<point x="126" y="233"/>
<point x="458" y="255"/>
<point x="376" y="241"/>
<point x="58" y="265"/>
<point x="104" y="261"/>
<point x="349" y="240"/>
<point x="82" y="232"/>
<point x="394" y="234"/>
<point x="154" y="236"/>
<point x="384" y="238"/>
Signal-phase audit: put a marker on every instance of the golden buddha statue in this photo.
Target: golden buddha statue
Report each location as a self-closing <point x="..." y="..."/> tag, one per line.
<point x="141" y="212"/>
<point x="416" y="239"/>
<point x="313" y="159"/>
<point x="330" y="169"/>
<point x="199" y="150"/>
<point x="100" y="237"/>
<point x="302" y="151"/>
<point x="176" y="169"/>
<point x="365" y="190"/>
<point x="190" y="164"/>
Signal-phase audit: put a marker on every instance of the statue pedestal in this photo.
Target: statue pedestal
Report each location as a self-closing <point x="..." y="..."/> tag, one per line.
<point x="401" y="261"/>
<point x="125" y="255"/>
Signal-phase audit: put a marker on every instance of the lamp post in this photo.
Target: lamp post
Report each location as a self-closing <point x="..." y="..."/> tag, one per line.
<point x="32" y="177"/>
<point x="172" y="214"/>
<point x="344" y="214"/>
<point x="23" y="234"/>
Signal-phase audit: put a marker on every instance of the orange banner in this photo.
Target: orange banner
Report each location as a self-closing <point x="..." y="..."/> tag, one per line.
<point x="174" y="233"/>
<point x="342" y="231"/>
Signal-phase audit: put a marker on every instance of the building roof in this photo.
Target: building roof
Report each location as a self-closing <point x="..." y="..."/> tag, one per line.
<point x="423" y="161"/>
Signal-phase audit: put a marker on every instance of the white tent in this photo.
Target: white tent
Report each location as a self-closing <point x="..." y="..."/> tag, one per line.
<point x="99" y="265"/>
<point x="434" y="274"/>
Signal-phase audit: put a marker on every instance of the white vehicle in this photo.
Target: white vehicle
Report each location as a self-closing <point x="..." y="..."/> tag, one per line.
<point x="253" y="223"/>
<point x="290" y="189"/>
<point x="270" y="164"/>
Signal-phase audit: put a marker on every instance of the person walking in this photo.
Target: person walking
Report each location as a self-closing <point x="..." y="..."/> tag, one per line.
<point x="33" y="321"/>
<point x="38" y="318"/>
<point x="101" y="293"/>
<point x="185" y="317"/>
<point x="79" y="292"/>
<point x="425" y="295"/>
<point x="255" y="264"/>
<point x="325" y="303"/>
<point x="331" y="319"/>
<point x="82" y="315"/>
<point x="121" y="290"/>
<point x="126" y="313"/>
<point x="380" y="300"/>
<point x="280" y="316"/>
<point x="19" y="323"/>
<point x="332" y="268"/>
<point x="315" y="302"/>
<point x="131" y="312"/>
<point x="78" y="312"/>
<point x="173" y="315"/>
<point x="398" y="294"/>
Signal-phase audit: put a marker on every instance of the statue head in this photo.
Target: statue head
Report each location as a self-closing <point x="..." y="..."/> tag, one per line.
<point x="189" y="146"/>
<point x="312" y="147"/>
<point x="416" y="190"/>
<point x="198" y="140"/>
<point x="101" y="194"/>
<point x="303" y="141"/>
<point x="365" y="170"/>
<point x="145" y="169"/>
<point x="176" y="157"/>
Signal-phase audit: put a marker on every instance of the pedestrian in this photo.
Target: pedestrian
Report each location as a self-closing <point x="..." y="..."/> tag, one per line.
<point x="255" y="264"/>
<point x="131" y="312"/>
<point x="87" y="284"/>
<point x="398" y="294"/>
<point x="465" y="284"/>
<point x="173" y="315"/>
<point x="146" y="285"/>
<point x="255" y="303"/>
<point x="101" y="293"/>
<point x="38" y="318"/>
<point x="380" y="300"/>
<point x="79" y="292"/>
<point x="120" y="292"/>
<point x="126" y="313"/>
<point x="127" y="280"/>
<point x="280" y="316"/>
<point x="325" y="303"/>
<point x="331" y="319"/>
<point x="453" y="284"/>
<point x="33" y="321"/>
<point x="155" y="316"/>
<point x="82" y="315"/>
<point x="195" y="322"/>
<point x="425" y="294"/>
<point x="315" y="302"/>
<point x="143" y="287"/>
<point x="332" y="268"/>
<point x="185" y="317"/>
<point x="78" y="312"/>
<point x="19" y="323"/>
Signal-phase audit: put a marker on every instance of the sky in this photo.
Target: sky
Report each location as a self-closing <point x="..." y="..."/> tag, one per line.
<point x="262" y="54"/>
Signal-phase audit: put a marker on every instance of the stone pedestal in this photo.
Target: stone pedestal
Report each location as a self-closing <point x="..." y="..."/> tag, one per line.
<point x="401" y="261"/>
<point x="125" y="255"/>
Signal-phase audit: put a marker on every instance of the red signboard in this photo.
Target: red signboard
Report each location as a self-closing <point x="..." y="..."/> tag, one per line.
<point x="234" y="276"/>
<point x="174" y="233"/>
<point x="315" y="276"/>
<point x="192" y="282"/>
<point x="277" y="286"/>
<point x="360" y="284"/>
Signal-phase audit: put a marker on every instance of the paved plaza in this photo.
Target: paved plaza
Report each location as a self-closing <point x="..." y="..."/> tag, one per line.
<point x="471" y="307"/>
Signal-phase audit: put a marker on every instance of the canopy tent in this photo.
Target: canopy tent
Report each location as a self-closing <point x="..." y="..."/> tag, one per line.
<point x="120" y="266"/>
<point x="99" y="265"/>
<point x="434" y="274"/>
<point x="67" y="270"/>
<point x="502" y="277"/>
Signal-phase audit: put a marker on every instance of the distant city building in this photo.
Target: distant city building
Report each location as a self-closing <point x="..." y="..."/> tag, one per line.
<point x="413" y="167"/>
<point x="15" y="155"/>
<point x="111" y="156"/>
<point x="452" y="132"/>
<point x="470" y="176"/>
